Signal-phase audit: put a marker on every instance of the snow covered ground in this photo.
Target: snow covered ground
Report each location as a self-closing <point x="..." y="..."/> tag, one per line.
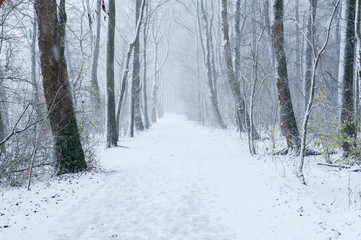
<point x="186" y="182"/>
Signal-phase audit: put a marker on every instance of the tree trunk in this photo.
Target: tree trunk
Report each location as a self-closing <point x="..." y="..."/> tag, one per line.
<point x="234" y="85"/>
<point x="124" y="88"/>
<point x="124" y="82"/>
<point x="112" y="136"/>
<point x="287" y="116"/>
<point x="267" y="23"/>
<point x="358" y="29"/>
<point x="136" y="116"/>
<point x="91" y="34"/>
<point x="2" y="133"/>
<point x="2" y="111"/>
<point x="161" y="98"/>
<point x="3" y="108"/>
<point x="346" y="76"/>
<point x="94" y="73"/>
<point x="199" y="87"/>
<point x="237" y="53"/>
<point x="36" y="98"/>
<point x="298" y="41"/>
<point x="145" y="95"/>
<point x="155" y="84"/>
<point x="309" y="51"/>
<point x="210" y="76"/>
<point x="68" y="149"/>
<point x="315" y="61"/>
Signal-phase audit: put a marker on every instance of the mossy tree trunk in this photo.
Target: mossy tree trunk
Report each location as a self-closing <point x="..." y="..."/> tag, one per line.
<point x="68" y="148"/>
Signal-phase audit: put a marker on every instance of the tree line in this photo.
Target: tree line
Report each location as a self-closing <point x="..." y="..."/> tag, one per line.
<point x="89" y="67"/>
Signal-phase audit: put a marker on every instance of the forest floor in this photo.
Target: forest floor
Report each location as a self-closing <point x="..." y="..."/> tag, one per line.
<point x="182" y="181"/>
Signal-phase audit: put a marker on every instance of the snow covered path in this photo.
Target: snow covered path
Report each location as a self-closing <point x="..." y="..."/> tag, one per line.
<point x="184" y="182"/>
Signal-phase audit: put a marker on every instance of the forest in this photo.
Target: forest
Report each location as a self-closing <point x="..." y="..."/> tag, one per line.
<point x="86" y="80"/>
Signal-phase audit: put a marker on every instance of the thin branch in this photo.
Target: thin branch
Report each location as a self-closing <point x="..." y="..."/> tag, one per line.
<point x="14" y="131"/>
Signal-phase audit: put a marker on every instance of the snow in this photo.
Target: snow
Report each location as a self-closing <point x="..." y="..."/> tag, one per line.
<point x="56" y="53"/>
<point x="183" y="181"/>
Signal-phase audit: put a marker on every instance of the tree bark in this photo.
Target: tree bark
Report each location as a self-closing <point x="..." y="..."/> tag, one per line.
<point x="124" y="83"/>
<point x="238" y="29"/>
<point x="348" y="127"/>
<point x="145" y="95"/>
<point x="2" y="133"/>
<point x="357" y="90"/>
<point x="94" y="73"/>
<point x="156" y="82"/>
<point x="68" y="149"/>
<point x="136" y="116"/>
<point x="36" y="98"/>
<point x="287" y="117"/>
<point x="112" y="136"/>
<point x="309" y="51"/>
<point x="298" y="41"/>
<point x="234" y="85"/>
<point x="210" y="73"/>
<point x="3" y="108"/>
<point x="267" y="23"/>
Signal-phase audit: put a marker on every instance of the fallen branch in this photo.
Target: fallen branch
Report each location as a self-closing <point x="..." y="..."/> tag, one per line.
<point x="308" y="152"/>
<point x="332" y="165"/>
<point x="27" y="168"/>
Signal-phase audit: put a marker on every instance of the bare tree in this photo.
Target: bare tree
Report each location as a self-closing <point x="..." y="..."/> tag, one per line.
<point x="346" y="78"/>
<point x="145" y="77"/>
<point x="315" y="63"/>
<point x="36" y="96"/>
<point x="234" y="84"/>
<point x="310" y="41"/>
<point x="238" y="30"/>
<point x="287" y="117"/>
<point x="94" y="74"/>
<point x="124" y="83"/>
<point x="112" y="136"/>
<point x="210" y="67"/>
<point x="136" y="116"/>
<point x="157" y="35"/>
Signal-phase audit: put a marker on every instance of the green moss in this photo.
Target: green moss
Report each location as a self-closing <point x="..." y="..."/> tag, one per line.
<point x="70" y="154"/>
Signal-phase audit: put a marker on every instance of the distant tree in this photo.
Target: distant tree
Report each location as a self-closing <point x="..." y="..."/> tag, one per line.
<point x="68" y="148"/>
<point x="145" y="78"/>
<point x="157" y="36"/>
